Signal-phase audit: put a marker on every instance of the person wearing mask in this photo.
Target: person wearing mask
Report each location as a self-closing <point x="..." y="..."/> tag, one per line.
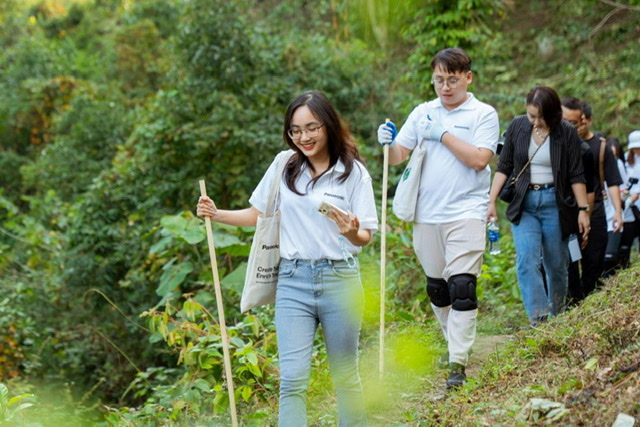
<point x="460" y="135"/>
<point x="319" y="279"/>
<point x="550" y="202"/>
<point x="605" y="170"/>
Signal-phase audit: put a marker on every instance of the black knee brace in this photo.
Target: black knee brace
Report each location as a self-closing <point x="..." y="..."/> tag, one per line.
<point x="462" y="289"/>
<point x="438" y="292"/>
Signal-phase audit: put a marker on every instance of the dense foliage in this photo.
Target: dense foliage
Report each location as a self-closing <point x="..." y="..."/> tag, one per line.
<point x="112" y="111"/>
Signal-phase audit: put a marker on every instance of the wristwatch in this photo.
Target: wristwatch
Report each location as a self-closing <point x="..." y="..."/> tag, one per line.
<point x="585" y="208"/>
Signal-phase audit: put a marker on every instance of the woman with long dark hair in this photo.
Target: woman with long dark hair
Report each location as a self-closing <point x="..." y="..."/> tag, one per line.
<point x="319" y="280"/>
<point x="550" y="202"/>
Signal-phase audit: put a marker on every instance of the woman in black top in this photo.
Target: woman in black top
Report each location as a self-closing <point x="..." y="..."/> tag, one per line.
<point x="550" y="202"/>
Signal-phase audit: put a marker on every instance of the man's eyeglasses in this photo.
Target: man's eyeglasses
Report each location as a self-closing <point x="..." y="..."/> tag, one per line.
<point x="311" y="132"/>
<point x="452" y="82"/>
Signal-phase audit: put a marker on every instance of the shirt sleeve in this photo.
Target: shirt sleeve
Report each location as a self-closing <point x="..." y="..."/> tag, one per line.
<point x="574" y="153"/>
<point x="487" y="132"/>
<point x="611" y="172"/>
<point x="505" y="161"/>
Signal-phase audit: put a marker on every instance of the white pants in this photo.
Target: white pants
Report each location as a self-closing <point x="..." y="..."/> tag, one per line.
<point x="446" y="250"/>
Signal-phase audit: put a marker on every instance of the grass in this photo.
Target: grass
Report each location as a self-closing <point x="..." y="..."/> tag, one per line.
<point x="580" y="368"/>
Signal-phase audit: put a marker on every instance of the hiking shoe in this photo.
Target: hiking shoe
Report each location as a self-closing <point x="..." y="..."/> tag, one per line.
<point x="456" y="376"/>
<point x="443" y="362"/>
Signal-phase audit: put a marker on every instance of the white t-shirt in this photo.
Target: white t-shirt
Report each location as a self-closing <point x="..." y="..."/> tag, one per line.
<point x="449" y="190"/>
<point x="304" y="232"/>
<point x="610" y="211"/>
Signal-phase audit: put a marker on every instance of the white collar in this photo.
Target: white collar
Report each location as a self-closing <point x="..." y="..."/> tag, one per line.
<point x="466" y="105"/>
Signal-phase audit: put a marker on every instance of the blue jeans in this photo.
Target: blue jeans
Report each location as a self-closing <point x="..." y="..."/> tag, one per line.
<point x="538" y="235"/>
<point x="310" y="293"/>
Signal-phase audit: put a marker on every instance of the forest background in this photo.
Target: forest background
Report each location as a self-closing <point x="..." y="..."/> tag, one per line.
<point x="112" y="110"/>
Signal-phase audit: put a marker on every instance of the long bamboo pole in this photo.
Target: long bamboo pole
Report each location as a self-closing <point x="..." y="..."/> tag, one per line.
<point x="383" y="253"/>
<point x="223" y="326"/>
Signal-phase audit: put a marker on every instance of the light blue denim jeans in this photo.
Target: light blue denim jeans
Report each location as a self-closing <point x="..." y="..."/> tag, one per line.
<point x="310" y="293"/>
<point x="537" y="238"/>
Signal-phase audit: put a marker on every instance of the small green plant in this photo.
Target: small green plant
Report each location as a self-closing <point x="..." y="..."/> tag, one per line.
<point x="10" y="407"/>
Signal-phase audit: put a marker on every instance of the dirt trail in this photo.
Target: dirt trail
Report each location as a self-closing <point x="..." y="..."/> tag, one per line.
<point x="432" y="387"/>
<point x="482" y="348"/>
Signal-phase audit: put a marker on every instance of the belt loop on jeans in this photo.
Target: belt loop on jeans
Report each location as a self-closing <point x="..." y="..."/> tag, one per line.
<point x="537" y="187"/>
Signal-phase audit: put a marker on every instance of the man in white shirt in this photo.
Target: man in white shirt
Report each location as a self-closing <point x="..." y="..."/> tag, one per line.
<point x="460" y="135"/>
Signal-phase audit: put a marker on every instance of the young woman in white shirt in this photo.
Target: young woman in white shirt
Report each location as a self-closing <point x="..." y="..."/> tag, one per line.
<point x="319" y="280"/>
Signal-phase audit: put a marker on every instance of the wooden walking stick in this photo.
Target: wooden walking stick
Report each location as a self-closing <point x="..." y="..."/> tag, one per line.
<point x="383" y="252"/>
<point x="223" y="326"/>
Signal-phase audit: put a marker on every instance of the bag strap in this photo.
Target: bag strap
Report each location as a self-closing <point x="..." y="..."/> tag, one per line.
<point x="603" y="146"/>
<point x="274" y="191"/>
<point x="528" y="161"/>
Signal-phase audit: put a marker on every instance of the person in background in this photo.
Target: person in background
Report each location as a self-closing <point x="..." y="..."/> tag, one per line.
<point x="631" y="229"/>
<point x="592" y="263"/>
<point x="319" y="279"/>
<point x="611" y="256"/>
<point x="550" y="202"/>
<point x="460" y="134"/>
<point x="575" y="293"/>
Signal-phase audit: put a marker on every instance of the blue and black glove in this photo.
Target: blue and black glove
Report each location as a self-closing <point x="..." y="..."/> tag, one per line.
<point x="387" y="133"/>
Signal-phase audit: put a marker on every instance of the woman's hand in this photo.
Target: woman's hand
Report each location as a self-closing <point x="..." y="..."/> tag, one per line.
<point x="206" y="208"/>
<point x="492" y="212"/>
<point x="350" y="228"/>
<point x="584" y="227"/>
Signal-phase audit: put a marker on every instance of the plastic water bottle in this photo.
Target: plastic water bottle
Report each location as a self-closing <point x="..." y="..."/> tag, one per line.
<point x="494" y="238"/>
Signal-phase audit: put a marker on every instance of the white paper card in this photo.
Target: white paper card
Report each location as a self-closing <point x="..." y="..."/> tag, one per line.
<point x="574" y="248"/>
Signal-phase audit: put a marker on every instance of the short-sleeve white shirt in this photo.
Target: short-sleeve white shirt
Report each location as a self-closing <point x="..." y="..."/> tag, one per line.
<point x="450" y="190"/>
<point x="304" y="232"/>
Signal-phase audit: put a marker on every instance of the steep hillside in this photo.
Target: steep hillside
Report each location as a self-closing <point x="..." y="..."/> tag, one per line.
<point x="580" y="368"/>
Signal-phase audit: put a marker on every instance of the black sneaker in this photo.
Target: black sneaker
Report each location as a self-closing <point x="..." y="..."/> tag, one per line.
<point x="456" y="376"/>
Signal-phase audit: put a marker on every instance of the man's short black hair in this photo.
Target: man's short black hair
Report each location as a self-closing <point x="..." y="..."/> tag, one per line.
<point x="452" y="60"/>
<point x="573" y="103"/>
<point x="587" y="111"/>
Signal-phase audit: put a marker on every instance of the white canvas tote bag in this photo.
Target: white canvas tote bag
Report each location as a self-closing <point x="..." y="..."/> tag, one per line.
<point x="406" y="197"/>
<point x="264" y="258"/>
